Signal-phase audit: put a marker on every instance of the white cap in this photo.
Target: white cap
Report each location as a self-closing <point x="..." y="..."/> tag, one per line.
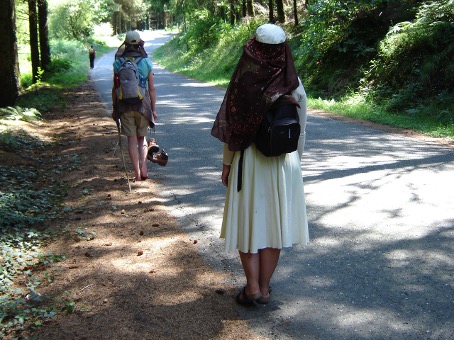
<point x="132" y="38"/>
<point x="270" y="34"/>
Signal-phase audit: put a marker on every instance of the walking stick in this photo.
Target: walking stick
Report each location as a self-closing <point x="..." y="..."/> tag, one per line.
<point x="121" y="150"/>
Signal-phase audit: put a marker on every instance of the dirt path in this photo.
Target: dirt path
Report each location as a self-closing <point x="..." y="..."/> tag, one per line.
<point x="130" y="272"/>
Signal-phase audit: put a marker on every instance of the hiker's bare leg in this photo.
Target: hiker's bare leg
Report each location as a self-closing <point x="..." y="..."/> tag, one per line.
<point x="134" y="155"/>
<point x="143" y="150"/>
<point x="269" y="257"/>
<point x="251" y="267"/>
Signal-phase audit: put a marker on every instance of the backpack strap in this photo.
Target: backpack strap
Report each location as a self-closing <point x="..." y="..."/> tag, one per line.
<point x="138" y="60"/>
<point x="135" y="60"/>
<point x="240" y="172"/>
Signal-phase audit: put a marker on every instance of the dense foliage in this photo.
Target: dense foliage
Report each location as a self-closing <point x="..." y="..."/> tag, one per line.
<point x="192" y="52"/>
<point x="394" y="55"/>
<point x="397" y="54"/>
<point x="73" y="20"/>
<point x="415" y="64"/>
<point x="383" y="57"/>
<point x="77" y="19"/>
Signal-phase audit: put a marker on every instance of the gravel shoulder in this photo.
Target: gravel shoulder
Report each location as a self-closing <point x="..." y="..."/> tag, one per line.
<point x="130" y="272"/>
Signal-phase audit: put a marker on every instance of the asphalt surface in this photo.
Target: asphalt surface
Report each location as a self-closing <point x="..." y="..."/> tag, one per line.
<point x="380" y="263"/>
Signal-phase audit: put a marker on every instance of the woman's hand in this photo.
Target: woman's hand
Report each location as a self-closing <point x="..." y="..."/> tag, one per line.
<point x="225" y="174"/>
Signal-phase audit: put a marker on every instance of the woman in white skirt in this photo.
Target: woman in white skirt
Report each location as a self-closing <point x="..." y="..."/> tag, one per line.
<point x="265" y="207"/>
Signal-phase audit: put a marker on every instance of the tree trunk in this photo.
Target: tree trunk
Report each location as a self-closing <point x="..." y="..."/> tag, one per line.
<point x="306" y="3"/>
<point x="9" y="69"/>
<point x="34" y="49"/>
<point x="244" y="8"/>
<point x="280" y="11"/>
<point x="114" y="22"/>
<point x="44" y="47"/>
<point x="295" y="13"/>
<point x="250" y="8"/>
<point x="232" y="12"/>
<point x="271" y="12"/>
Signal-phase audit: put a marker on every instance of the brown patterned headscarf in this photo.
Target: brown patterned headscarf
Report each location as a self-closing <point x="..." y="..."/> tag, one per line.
<point x="264" y="73"/>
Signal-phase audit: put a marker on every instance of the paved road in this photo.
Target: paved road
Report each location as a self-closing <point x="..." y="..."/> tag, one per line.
<point x="380" y="264"/>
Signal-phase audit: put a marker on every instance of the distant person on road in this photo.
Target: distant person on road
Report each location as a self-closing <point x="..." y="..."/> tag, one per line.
<point x="135" y="115"/>
<point x="92" y="56"/>
<point x="268" y="212"/>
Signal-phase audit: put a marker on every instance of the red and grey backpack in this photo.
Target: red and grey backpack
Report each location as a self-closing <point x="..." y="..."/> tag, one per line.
<point x="130" y="90"/>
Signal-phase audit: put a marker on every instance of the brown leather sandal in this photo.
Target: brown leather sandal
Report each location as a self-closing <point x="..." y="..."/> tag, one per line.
<point x="245" y="299"/>
<point x="263" y="300"/>
<point x="153" y="147"/>
<point x="160" y="158"/>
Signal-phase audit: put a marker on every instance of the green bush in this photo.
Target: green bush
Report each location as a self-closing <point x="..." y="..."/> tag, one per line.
<point x="43" y="98"/>
<point x="202" y="32"/>
<point x="349" y="47"/>
<point x="414" y="68"/>
<point x="59" y="65"/>
<point x="212" y="60"/>
<point x="72" y="19"/>
<point x="330" y="45"/>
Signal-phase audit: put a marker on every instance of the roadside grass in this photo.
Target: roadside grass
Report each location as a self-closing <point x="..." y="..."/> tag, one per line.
<point x="69" y="64"/>
<point x="212" y="65"/>
<point x="217" y="63"/>
<point x="69" y="68"/>
<point x="356" y="107"/>
<point x="30" y="192"/>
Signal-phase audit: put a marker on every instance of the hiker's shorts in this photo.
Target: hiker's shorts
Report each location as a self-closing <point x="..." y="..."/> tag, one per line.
<point x="133" y="123"/>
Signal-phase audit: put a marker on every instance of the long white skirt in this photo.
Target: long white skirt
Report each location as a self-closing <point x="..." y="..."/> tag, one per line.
<point x="270" y="210"/>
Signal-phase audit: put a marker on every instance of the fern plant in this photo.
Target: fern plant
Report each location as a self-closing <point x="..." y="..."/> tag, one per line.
<point x="19" y="113"/>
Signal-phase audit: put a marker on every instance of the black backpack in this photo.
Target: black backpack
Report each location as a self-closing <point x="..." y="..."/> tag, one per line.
<point x="280" y="129"/>
<point x="278" y="133"/>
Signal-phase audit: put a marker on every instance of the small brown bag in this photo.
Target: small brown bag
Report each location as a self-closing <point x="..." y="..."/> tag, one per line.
<point x="154" y="155"/>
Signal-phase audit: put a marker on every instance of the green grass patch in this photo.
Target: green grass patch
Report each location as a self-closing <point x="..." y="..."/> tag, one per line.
<point x="214" y="64"/>
<point x="356" y="107"/>
<point x="69" y="62"/>
<point x="202" y="67"/>
<point x="69" y="67"/>
<point x="43" y="98"/>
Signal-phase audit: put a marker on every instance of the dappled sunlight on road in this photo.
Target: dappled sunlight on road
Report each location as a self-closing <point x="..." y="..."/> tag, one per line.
<point x="196" y="85"/>
<point x="379" y="264"/>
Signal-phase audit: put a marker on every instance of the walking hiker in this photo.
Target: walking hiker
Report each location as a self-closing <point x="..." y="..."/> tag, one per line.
<point x="265" y="207"/>
<point x="134" y="99"/>
<point x="92" y="56"/>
